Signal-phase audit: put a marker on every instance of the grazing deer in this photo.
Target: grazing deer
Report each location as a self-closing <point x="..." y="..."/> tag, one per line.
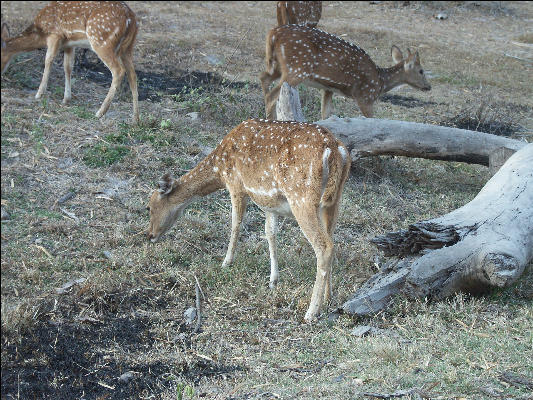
<point x="306" y="13"/>
<point x="108" y="28"/>
<point x="297" y="54"/>
<point x="287" y="168"/>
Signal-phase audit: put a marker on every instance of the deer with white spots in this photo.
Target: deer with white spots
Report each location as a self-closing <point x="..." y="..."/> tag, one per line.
<point x="109" y="28"/>
<point x="297" y="54"/>
<point x="287" y="168"/>
<point x="306" y="13"/>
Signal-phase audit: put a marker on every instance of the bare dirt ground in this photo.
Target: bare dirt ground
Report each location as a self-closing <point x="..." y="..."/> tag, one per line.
<point x="91" y="310"/>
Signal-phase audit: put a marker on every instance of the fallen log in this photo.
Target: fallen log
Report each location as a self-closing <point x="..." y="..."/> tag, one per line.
<point x="487" y="243"/>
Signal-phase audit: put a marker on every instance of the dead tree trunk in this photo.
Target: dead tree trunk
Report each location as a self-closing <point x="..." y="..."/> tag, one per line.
<point x="486" y="243"/>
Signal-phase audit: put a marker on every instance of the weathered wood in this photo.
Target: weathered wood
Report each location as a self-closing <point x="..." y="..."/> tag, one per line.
<point x="288" y="107"/>
<point x="484" y="244"/>
<point x="370" y="137"/>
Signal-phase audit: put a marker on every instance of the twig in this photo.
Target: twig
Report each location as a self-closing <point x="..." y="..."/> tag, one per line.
<point x="399" y="393"/>
<point x="198" y="290"/>
<point x="518" y="58"/>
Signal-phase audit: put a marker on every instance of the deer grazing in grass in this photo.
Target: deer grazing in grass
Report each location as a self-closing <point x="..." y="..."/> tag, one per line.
<point x="287" y="168"/>
<point x="108" y="28"/>
<point x="297" y="54"/>
<point x="306" y="13"/>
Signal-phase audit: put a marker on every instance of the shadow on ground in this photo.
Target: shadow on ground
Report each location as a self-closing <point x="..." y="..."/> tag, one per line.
<point x="63" y="356"/>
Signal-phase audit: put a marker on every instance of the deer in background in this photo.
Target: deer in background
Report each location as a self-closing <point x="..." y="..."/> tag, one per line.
<point x="297" y="54"/>
<point x="108" y="28"/>
<point x="306" y="13"/>
<point x="287" y="168"/>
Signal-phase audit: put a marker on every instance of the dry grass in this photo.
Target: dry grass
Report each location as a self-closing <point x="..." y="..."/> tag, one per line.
<point x="127" y="314"/>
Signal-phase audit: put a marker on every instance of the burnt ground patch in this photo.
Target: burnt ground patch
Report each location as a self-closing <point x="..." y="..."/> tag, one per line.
<point x="405" y="101"/>
<point x="64" y="357"/>
<point x="151" y="85"/>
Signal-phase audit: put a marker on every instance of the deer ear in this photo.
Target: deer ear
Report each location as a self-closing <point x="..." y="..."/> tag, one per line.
<point x="5" y="32"/>
<point x="166" y="184"/>
<point x="396" y="54"/>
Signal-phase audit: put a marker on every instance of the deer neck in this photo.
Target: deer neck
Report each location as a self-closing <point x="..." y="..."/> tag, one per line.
<point x="30" y="39"/>
<point x="391" y="77"/>
<point x="200" y="181"/>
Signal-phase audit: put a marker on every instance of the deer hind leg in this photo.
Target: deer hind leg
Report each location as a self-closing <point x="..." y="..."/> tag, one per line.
<point x="68" y="64"/>
<point x="326" y="103"/>
<point x="127" y="59"/>
<point x="271" y="222"/>
<point x="328" y="217"/>
<point x="238" y="207"/>
<point x="51" y="51"/>
<point x="110" y="59"/>
<point x="317" y="235"/>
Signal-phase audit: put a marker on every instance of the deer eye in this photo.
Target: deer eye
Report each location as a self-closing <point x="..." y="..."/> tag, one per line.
<point x="421" y="71"/>
<point x="148" y="208"/>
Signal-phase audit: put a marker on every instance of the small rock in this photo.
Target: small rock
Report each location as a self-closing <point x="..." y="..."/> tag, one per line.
<point x="193" y="115"/>
<point x="180" y="337"/>
<point x="107" y="254"/>
<point x="66" y="197"/>
<point x="364" y="330"/>
<point x="5" y="214"/>
<point x="65" y="163"/>
<point x="189" y="315"/>
<point x="13" y="154"/>
<point x="126" y="377"/>
<point x="361" y="330"/>
<point x="213" y="60"/>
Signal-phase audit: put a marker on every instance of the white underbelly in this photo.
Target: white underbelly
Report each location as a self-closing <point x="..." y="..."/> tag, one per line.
<point x="78" y="43"/>
<point x="282" y="209"/>
<point x="323" y="87"/>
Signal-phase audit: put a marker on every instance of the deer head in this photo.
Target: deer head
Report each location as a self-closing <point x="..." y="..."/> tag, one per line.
<point x="414" y="74"/>
<point x="166" y="205"/>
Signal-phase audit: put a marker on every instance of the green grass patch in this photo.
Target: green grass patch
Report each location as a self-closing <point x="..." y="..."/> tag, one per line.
<point x="105" y="154"/>
<point x="82" y="112"/>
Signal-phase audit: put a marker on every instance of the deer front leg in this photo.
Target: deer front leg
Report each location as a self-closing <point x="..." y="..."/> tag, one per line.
<point x="271" y="222"/>
<point x="68" y="64"/>
<point x="53" y="47"/>
<point x="326" y="103"/>
<point x="238" y="207"/>
<point x="367" y="109"/>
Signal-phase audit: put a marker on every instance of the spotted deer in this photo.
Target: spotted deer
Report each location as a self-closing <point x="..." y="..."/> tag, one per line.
<point x="297" y="54"/>
<point x="108" y="28"/>
<point x="287" y="168"/>
<point x="306" y="13"/>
